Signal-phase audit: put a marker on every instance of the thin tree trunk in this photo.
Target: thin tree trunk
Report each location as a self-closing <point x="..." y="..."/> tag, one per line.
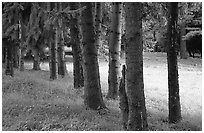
<point x="114" y="51"/>
<point x="137" y="119"/>
<point x="92" y="88"/>
<point x="21" y="53"/>
<point x="173" y="83"/>
<point x="76" y="49"/>
<point x="183" y="51"/>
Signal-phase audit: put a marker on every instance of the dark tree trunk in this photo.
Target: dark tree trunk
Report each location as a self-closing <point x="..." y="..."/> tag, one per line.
<point x="173" y="84"/>
<point x="137" y="119"/>
<point x="53" y="48"/>
<point x="76" y="49"/>
<point x="61" y="60"/>
<point x="92" y="88"/>
<point x="16" y="56"/>
<point x="53" y="61"/>
<point x="36" y="60"/>
<point x="114" y="51"/>
<point x="3" y="54"/>
<point x="9" y="60"/>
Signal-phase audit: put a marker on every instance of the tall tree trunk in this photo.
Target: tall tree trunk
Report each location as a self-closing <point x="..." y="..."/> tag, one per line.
<point x="53" y="49"/>
<point x="61" y="60"/>
<point x="21" y="53"/>
<point x="92" y="88"/>
<point x="114" y="51"/>
<point x="137" y="119"/>
<point x="76" y="49"/>
<point x="97" y="22"/>
<point x="173" y="84"/>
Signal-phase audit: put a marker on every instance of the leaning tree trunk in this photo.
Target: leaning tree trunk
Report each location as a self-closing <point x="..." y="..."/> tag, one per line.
<point x="173" y="83"/>
<point x="61" y="60"/>
<point x="76" y="49"/>
<point x="137" y="119"/>
<point x="92" y="88"/>
<point x="114" y="51"/>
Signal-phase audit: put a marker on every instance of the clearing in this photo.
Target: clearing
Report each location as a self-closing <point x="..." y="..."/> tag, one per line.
<point x="31" y="101"/>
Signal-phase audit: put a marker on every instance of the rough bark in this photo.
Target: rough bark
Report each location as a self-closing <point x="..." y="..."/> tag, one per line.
<point x="76" y="49"/>
<point x="53" y="49"/>
<point x="173" y="83"/>
<point x="137" y="119"/>
<point x="61" y="60"/>
<point x="123" y="100"/>
<point x="97" y="22"/>
<point x="92" y="88"/>
<point x="114" y="51"/>
<point x="9" y="59"/>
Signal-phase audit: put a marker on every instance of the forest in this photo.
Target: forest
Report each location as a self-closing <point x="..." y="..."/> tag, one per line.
<point x="101" y="66"/>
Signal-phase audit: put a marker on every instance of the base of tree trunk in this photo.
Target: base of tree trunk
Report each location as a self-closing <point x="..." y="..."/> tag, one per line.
<point x="123" y="100"/>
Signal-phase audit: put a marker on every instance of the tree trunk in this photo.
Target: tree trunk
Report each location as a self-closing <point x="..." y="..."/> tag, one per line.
<point x="16" y="56"/>
<point x="183" y="51"/>
<point x="53" y="58"/>
<point x="123" y="99"/>
<point x="21" y="52"/>
<point x="114" y="51"/>
<point x="61" y="60"/>
<point x="173" y="84"/>
<point x="36" y="60"/>
<point x="92" y="88"/>
<point x="53" y="49"/>
<point x="137" y="119"/>
<point x="76" y="49"/>
<point x="97" y="22"/>
<point x="21" y="65"/>
<point x="9" y="60"/>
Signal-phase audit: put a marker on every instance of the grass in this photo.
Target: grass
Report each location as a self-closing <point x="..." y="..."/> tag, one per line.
<point x="30" y="101"/>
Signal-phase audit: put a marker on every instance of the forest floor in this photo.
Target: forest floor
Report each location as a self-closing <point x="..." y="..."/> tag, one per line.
<point x="30" y="101"/>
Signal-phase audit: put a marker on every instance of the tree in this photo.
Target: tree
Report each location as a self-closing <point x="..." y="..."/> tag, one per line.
<point x="137" y="119"/>
<point x="76" y="49"/>
<point x="97" y="22"/>
<point x="183" y="51"/>
<point x="173" y="84"/>
<point x="10" y="21"/>
<point x="114" y="51"/>
<point x="61" y="60"/>
<point x="92" y="88"/>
